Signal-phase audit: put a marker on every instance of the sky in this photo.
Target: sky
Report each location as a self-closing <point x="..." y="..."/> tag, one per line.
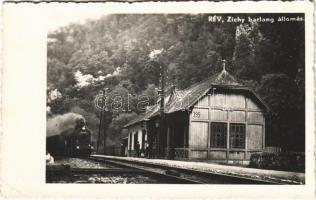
<point x="66" y="14"/>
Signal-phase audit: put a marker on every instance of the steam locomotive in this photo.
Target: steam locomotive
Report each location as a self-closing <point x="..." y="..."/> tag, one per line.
<point x="72" y="142"/>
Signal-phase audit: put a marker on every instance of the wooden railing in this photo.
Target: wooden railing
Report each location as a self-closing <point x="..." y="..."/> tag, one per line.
<point x="206" y="153"/>
<point x="272" y="149"/>
<point x="181" y="153"/>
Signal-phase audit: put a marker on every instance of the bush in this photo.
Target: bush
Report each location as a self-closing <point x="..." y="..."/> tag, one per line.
<point x="285" y="161"/>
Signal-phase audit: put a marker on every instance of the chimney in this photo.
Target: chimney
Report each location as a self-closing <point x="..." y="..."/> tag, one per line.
<point x="224" y="65"/>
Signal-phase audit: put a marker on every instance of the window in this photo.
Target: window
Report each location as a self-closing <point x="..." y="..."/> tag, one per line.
<point x="218" y="135"/>
<point x="237" y="136"/>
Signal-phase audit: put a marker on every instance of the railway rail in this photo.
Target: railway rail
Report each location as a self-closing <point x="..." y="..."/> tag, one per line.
<point x="120" y="169"/>
<point x="184" y="175"/>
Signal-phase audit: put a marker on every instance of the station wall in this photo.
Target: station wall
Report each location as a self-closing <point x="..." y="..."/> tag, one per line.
<point x="226" y="126"/>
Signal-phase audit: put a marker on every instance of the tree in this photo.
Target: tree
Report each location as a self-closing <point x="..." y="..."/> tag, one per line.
<point x="114" y="133"/>
<point x="113" y="52"/>
<point x="284" y="125"/>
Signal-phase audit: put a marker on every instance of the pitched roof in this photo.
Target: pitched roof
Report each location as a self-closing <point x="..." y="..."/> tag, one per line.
<point x="150" y="111"/>
<point x="192" y="94"/>
<point x="178" y="100"/>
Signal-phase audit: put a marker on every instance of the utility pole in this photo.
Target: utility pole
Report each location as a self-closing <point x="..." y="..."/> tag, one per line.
<point x="162" y="111"/>
<point x="100" y="124"/>
<point x="104" y="122"/>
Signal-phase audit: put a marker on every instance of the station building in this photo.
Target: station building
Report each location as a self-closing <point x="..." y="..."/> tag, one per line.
<point x="217" y="120"/>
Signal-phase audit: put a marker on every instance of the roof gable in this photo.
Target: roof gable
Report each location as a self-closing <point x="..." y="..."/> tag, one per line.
<point x="192" y="94"/>
<point x="224" y="78"/>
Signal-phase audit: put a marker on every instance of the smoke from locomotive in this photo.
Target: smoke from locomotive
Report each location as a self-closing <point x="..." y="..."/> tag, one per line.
<point x="59" y="124"/>
<point x="68" y="135"/>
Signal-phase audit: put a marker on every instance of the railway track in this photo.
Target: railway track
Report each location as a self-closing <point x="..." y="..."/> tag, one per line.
<point x="166" y="176"/>
<point x="72" y="170"/>
<point x="182" y="175"/>
<point x="119" y="169"/>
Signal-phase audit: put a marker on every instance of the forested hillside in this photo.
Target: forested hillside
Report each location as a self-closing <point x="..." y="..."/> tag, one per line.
<point x="113" y="52"/>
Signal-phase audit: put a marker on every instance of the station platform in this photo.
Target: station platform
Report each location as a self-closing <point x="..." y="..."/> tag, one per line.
<point x="284" y="177"/>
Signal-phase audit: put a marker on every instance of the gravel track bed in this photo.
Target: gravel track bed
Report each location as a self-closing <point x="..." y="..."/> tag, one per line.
<point x="82" y="163"/>
<point x="99" y="178"/>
